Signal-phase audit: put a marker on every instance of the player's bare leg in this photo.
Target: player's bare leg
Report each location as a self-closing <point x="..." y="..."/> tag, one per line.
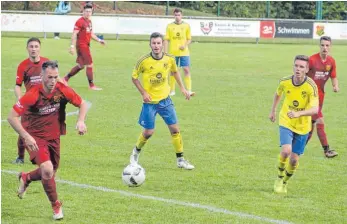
<point x="73" y="72"/>
<point x="328" y="152"/>
<point x="188" y="80"/>
<point x="141" y="141"/>
<point x="178" y="145"/>
<point x="90" y="76"/>
<point x="21" y="152"/>
<point x="49" y="185"/>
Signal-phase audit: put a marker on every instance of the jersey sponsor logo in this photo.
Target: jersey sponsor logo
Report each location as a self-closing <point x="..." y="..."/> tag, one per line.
<point x="295" y="103"/>
<point x="35" y="79"/>
<point x="159" y="75"/>
<point x="328" y="67"/>
<point x="206" y="28"/>
<point x="49" y="109"/>
<point x="321" y="75"/>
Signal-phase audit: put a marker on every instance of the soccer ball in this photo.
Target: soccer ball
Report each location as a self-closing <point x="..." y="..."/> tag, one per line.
<point x="133" y="175"/>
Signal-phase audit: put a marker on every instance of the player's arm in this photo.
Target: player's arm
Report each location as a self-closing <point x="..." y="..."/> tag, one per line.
<point x="189" y="38"/>
<point x="19" y="81"/>
<point x="74" y="39"/>
<point x="146" y="97"/>
<point x="77" y="101"/>
<point x="176" y="74"/>
<point x="334" y="80"/>
<point x="13" y="119"/>
<point x="276" y="100"/>
<point x="96" y="38"/>
<point x="166" y="40"/>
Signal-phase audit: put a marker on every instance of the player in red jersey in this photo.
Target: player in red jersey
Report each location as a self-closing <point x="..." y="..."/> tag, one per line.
<point x="82" y="33"/>
<point x="44" y="105"/>
<point x="323" y="67"/>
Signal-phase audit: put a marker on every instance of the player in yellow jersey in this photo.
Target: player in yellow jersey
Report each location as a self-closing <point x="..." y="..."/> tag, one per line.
<point x="155" y="69"/>
<point x="300" y="103"/>
<point x="178" y="34"/>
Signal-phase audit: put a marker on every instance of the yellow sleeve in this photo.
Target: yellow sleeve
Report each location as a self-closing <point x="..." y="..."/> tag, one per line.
<point x="313" y="97"/>
<point x="167" y="34"/>
<point x="188" y="34"/>
<point x="280" y="89"/>
<point x="137" y="70"/>
<point x="174" y="66"/>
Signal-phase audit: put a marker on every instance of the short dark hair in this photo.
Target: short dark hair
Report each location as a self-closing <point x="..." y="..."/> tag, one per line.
<point x="156" y="35"/>
<point x="89" y="5"/>
<point x="32" y="39"/>
<point x="327" y="38"/>
<point x="301" y="58"/>
<point x="178" y="10"/>
<point x="49" y="64"/>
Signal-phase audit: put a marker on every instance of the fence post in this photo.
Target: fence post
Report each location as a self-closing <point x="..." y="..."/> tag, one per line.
<point x="44" y="31"/>
<point x="114" y="5"/>
<point x="218" y="8"/>
<point x="267" y="9"/>
<point x="167" y="8"/>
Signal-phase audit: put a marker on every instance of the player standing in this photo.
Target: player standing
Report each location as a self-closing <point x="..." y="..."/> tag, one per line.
<point x="323" y="67"/>
<point x="44" y="105"/>
<point x="82" y="33"/>
<point x="178" y="34"/>
<point x="155" y="68"/>
<point x="300" y="103"/>
<point x="29" y="73"/>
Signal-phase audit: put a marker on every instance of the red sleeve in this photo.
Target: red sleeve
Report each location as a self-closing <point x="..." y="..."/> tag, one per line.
<point x="310" y="62"/>
<point x="333" y="70"/>
<point x="71" y="95"/>
<point x="25" y="102"/>
<point x="20" y="74"/>
<point x="78" y="25"/>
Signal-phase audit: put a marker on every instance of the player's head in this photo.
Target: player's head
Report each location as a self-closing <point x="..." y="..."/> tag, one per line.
<point x="325" y="44"/>
<point x="33" y="47"/>
<point x="87" y="10"/>
<point x="156" y="43"/>
<point x="178" y="15"/>
<point x="50" y="74"/>
<point x="300" y="65"/>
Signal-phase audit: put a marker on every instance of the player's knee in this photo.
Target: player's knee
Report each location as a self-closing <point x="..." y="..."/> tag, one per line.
<point x="186" y="70"/>
<point x="294" y="160"/>
<point x="47" y="171"/>
<point x="81" y="66"/>
<point x="148" y="133"/>
<point x="286" y="150"/>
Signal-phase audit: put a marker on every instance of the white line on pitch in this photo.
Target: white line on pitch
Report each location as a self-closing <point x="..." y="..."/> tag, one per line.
<point x="169" y="201"/>
<point x="89" y="105"/>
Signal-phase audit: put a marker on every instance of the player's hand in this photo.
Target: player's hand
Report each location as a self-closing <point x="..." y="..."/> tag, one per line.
<point x="30" y="143"/>
<point x="272" y="116"/>
<point x="336" y="89"/>
<point x="182" y="48"/>
<point x="293" y="114"/>
<point x="146" y="97"/>
<point x="72" y="50"/>
<point x="186" y="94"/>
<point x="81" y="127"/>
<point x="103" y="42"/>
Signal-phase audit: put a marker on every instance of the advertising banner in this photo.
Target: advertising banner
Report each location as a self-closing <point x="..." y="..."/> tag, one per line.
<point x="267" y="29"/>
<point x="293" y="29"/>
<point x="334" y="30"/>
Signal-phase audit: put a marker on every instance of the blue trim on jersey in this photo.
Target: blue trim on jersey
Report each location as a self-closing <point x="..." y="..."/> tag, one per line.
<point x="288" y="137"/>
<point x="183" y="61"/>
<point x="164" y="108"/>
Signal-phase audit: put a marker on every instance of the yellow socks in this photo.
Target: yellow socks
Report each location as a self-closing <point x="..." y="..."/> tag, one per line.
<point x="188" y="82"/>
<point x="141" y="141"/>
<point x="281" y="165"/>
